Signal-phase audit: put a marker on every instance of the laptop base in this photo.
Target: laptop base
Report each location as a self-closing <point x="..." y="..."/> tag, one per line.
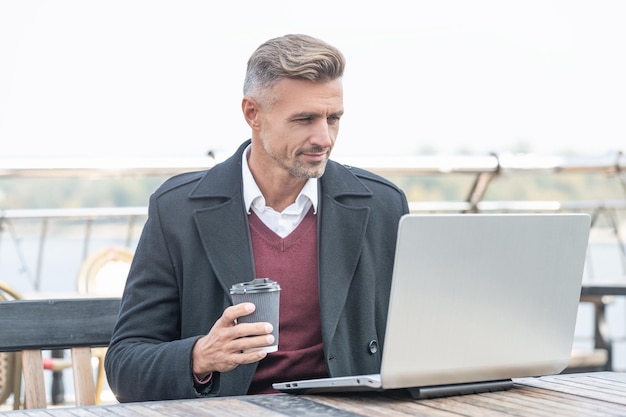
<point x="420" y="393"/>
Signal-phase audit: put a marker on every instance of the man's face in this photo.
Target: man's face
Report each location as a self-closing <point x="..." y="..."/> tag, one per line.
<point x="298" y="130"/>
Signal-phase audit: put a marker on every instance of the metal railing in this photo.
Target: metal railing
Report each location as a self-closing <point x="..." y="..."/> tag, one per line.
<point x="483" y="170"/>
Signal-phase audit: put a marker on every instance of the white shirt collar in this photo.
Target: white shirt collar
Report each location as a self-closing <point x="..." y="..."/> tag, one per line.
<point x="252" y="195"/>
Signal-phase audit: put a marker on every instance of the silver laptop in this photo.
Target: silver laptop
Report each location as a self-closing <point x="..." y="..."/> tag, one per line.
<point x="476" y="300"/>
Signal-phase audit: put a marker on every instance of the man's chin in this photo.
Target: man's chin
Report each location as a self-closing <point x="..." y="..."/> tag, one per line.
<point x="312" y="171"/>
<point x="318" y="169"/>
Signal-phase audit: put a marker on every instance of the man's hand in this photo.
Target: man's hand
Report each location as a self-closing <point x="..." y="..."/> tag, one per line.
<point x="222" y="348"/>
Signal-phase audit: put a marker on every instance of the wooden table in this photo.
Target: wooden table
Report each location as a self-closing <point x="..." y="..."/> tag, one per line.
<point x="590" y="394"/>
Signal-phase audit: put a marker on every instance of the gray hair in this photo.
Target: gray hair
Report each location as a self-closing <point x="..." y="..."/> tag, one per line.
<point x="291" y="56"/>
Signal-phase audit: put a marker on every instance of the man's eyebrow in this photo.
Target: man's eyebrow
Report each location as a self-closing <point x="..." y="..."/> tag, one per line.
<point x="306" y="114"/>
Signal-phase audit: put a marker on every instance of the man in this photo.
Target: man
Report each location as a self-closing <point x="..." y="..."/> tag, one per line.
<point x="277" y="208"/>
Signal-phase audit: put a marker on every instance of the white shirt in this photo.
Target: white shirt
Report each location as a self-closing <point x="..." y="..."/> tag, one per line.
<point x="285" y="222"/>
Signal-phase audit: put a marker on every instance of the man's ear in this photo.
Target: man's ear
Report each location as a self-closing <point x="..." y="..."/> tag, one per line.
<point x="250" y="109"/>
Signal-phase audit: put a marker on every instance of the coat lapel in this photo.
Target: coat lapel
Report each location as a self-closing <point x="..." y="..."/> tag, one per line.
<point x="341" y="233"/>
<point x="223" y="224"/>
<point x="225" y="237"/>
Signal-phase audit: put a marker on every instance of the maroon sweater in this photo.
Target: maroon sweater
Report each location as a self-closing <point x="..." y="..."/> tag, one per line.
<point x="292" y="262"/>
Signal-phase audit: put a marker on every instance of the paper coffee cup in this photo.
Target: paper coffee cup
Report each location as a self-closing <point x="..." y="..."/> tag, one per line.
<point x="265" y="295"/>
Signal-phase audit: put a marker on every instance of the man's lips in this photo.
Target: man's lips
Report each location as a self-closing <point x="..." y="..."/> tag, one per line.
<point x="316" y="154"/>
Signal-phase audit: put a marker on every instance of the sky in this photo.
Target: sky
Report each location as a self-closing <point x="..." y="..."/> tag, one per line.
<point x="150" y="78"/>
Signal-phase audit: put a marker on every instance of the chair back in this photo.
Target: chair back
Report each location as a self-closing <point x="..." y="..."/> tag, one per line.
<point x="78" y="324"/>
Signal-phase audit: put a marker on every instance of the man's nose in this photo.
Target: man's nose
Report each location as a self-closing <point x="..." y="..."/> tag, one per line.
<point x="322" y="135"/>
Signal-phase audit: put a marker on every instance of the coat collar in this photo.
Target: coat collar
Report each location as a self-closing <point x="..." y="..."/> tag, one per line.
<point x="224" y="180"/>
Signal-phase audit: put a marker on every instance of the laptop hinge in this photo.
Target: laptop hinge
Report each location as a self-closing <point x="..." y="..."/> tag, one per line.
<point x="420" y="393"/>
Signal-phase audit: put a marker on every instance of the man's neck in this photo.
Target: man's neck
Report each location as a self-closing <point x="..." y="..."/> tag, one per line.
<point x="279" y="188"/>
<point x="278" y="192"/>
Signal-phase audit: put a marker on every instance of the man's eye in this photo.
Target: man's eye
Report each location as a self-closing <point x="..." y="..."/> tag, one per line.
<point x="333" y="119"/>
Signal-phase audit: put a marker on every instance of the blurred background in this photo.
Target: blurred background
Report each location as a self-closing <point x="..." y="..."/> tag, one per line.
<point x="154" y="78"/>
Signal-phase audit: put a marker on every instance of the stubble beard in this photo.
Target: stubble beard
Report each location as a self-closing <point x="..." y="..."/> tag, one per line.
<point x="296" y="168"/>
<point x="299" y="170"/>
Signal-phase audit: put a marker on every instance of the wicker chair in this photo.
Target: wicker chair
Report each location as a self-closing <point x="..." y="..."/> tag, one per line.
<point x="104" y="272"/>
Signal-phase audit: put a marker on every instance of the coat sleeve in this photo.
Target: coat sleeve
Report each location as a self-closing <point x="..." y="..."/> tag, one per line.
<point x="147" y="359"/>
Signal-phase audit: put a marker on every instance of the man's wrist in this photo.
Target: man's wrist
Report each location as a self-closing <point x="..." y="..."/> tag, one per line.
<point x="202" y="379"/>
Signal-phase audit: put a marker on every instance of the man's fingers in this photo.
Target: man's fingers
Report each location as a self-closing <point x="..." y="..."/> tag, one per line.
<point x="232" y="313"/>
<point x="244" y="344"/>
<point x="228" y="345"/>
<point x="251" y="357"/>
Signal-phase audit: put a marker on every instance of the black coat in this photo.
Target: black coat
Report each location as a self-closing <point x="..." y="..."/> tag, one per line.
<point x="196" y="245"/>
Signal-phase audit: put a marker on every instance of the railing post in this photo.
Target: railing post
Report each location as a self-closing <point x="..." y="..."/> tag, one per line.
<point x="479" y="187"/>
<point x="88" y="224"/>
<point x="129" y="234"/>
<point x="42" y="243"/>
